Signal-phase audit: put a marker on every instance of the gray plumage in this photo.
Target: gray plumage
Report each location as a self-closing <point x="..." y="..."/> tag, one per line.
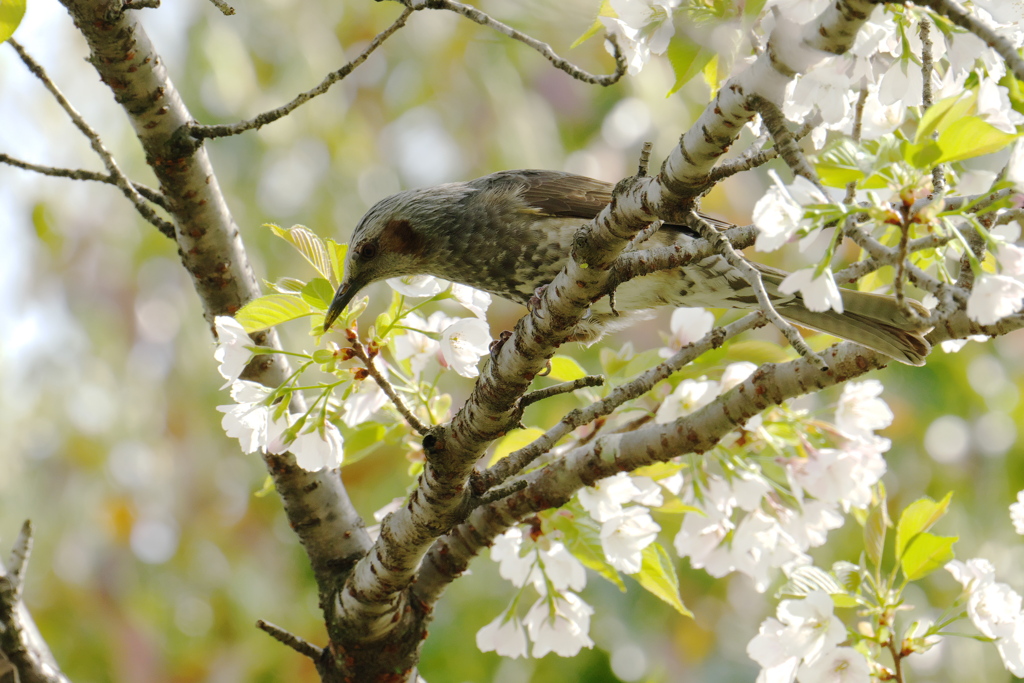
<point x="510" y="232"/>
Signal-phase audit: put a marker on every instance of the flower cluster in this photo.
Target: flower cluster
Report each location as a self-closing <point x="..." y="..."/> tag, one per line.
<point x="625" y="531"/>
<point x="741" y="525"/>
<point x="559" y="621"/>
<point x="642" y="27"/>
<point x="418" y="346"/>
<point x="994" y="608"/>
<point x="804" y="644"/>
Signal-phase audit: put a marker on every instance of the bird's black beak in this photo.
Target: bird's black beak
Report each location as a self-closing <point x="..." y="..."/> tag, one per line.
<point x="345" y="292"/>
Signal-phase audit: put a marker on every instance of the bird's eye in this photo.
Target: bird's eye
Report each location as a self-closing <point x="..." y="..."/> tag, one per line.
<point x="366" y="250"/>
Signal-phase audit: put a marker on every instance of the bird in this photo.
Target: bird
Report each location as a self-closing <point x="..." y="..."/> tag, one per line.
<point x="510" y="233"/>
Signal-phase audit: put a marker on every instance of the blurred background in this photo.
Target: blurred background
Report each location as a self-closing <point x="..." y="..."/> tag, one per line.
<point x="153" y="555"/>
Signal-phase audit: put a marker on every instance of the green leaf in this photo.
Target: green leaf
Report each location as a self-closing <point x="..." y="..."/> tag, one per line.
<point x="318" y="293"/>
<point x="321" y="356"/>
<point x="848" y="575"/>
<point x="923" y="156"/>
<point x="582" y="536"/>
<point x="874" y="532"/>
<point x="336" y="253"/>
<point x="604" y="11"/>
<point x="971" y="137"/>
<point x="11" y="13"/>
<point x="674" y="506"/>
<point x="513" y="441"/>
<point x="287" y="285"/>
<point x="565" y="369"/>
<point x="657" y="576"/>
<point x="362" y="441"/>
<point x="926" y="553"/>
<point x="270" y="310"/>
<point x="307" y="243"/>
<point x="687" y="59"/>
<point x="752" y="8"/>
<point x="942" y="113"/>
<point x="841" y="163"/>
<point x="918" y="517"/>
<point x="267" y="488"/>
<point x="807" y="579"/>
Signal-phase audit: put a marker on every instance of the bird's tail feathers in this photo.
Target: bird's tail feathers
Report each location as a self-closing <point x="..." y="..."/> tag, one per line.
<point x="871" y="320"/>
<point x="905" y="345"/>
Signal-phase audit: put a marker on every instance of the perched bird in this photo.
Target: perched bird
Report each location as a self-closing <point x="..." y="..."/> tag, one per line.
<point x="510" y="233"/>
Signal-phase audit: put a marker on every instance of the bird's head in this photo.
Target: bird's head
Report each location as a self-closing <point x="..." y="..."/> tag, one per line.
<point x="393" y="239"/>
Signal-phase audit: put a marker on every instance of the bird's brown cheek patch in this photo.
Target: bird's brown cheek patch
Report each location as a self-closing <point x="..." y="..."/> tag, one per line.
<point x="399" y="237"/>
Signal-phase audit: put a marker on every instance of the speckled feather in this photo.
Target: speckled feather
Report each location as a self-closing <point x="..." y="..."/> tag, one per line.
<point x="510" y="232"/>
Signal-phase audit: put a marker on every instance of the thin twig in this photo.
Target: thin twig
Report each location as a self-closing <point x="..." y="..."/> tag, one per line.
<point x="855" y="271"/>
<point x="643" y="236"/>
<point x="927" y="67"/>
<point x="300" y="645"/>
<point x="967" y="20"/>
<point x="359" y="351"/>
<point x="790" y="152"/>
<point x="884" y="254"/>
<point x="753" y="278"/>
<point x="120" y="179"/>
<point x="645" y="159"/>
<point x="496" y="494"/>
<point x="224" y="130"/>
<point x="225" y="9"/>
<point x="978" y="201"/>
<point x="149" y="193"/>
<point x="858" y="122"/>
<point x="902" y="251"/>
<point x="748" y="161"/>
<point x="563" y="388"/>
<point x="518" y="460"/>
<point x="18" y="561"/>
<point x="633" y="264"/>
<point x="473" y="14"/>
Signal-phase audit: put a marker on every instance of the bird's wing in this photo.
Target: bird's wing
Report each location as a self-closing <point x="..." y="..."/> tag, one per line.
<point x="565" y="195"/>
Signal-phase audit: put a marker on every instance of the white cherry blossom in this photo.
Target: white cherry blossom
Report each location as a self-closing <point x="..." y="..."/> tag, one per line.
<point x="559" y="624"/>
<point x="464" y="343"/>
<point x="687" y="326"/>
<point x="232" y="353"/>
<point x="505" y="635"/>
<point x="819" y="293"/>
<point x="994" y="297"/>
<point x="624" y="536"/>
<point x="861" y="410"/>
<point x="417" y="286"/>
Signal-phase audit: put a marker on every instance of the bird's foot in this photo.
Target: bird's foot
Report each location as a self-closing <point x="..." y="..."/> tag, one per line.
<point x="534" y="301"/>
<point x="496" y="345"/>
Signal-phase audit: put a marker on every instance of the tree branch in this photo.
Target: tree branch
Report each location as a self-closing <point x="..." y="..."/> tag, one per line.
<point x="753" y="278"/>
<point x="206" y="132"/>
<point x="473" y="14"/>
<point x="360" y="352"/>
<point x="519" y="460"/>
<point x="374" y="593"/>
<point x="210" y="246"/>
<point x="966" y="20"/>
<point x="149" y="193"/>
<point x="95" y="142"/>
<point x="293" y="641"/>
<point x="20" y="640"/>
<point x="554" y="484"/>
<point x="562" y="388"/>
